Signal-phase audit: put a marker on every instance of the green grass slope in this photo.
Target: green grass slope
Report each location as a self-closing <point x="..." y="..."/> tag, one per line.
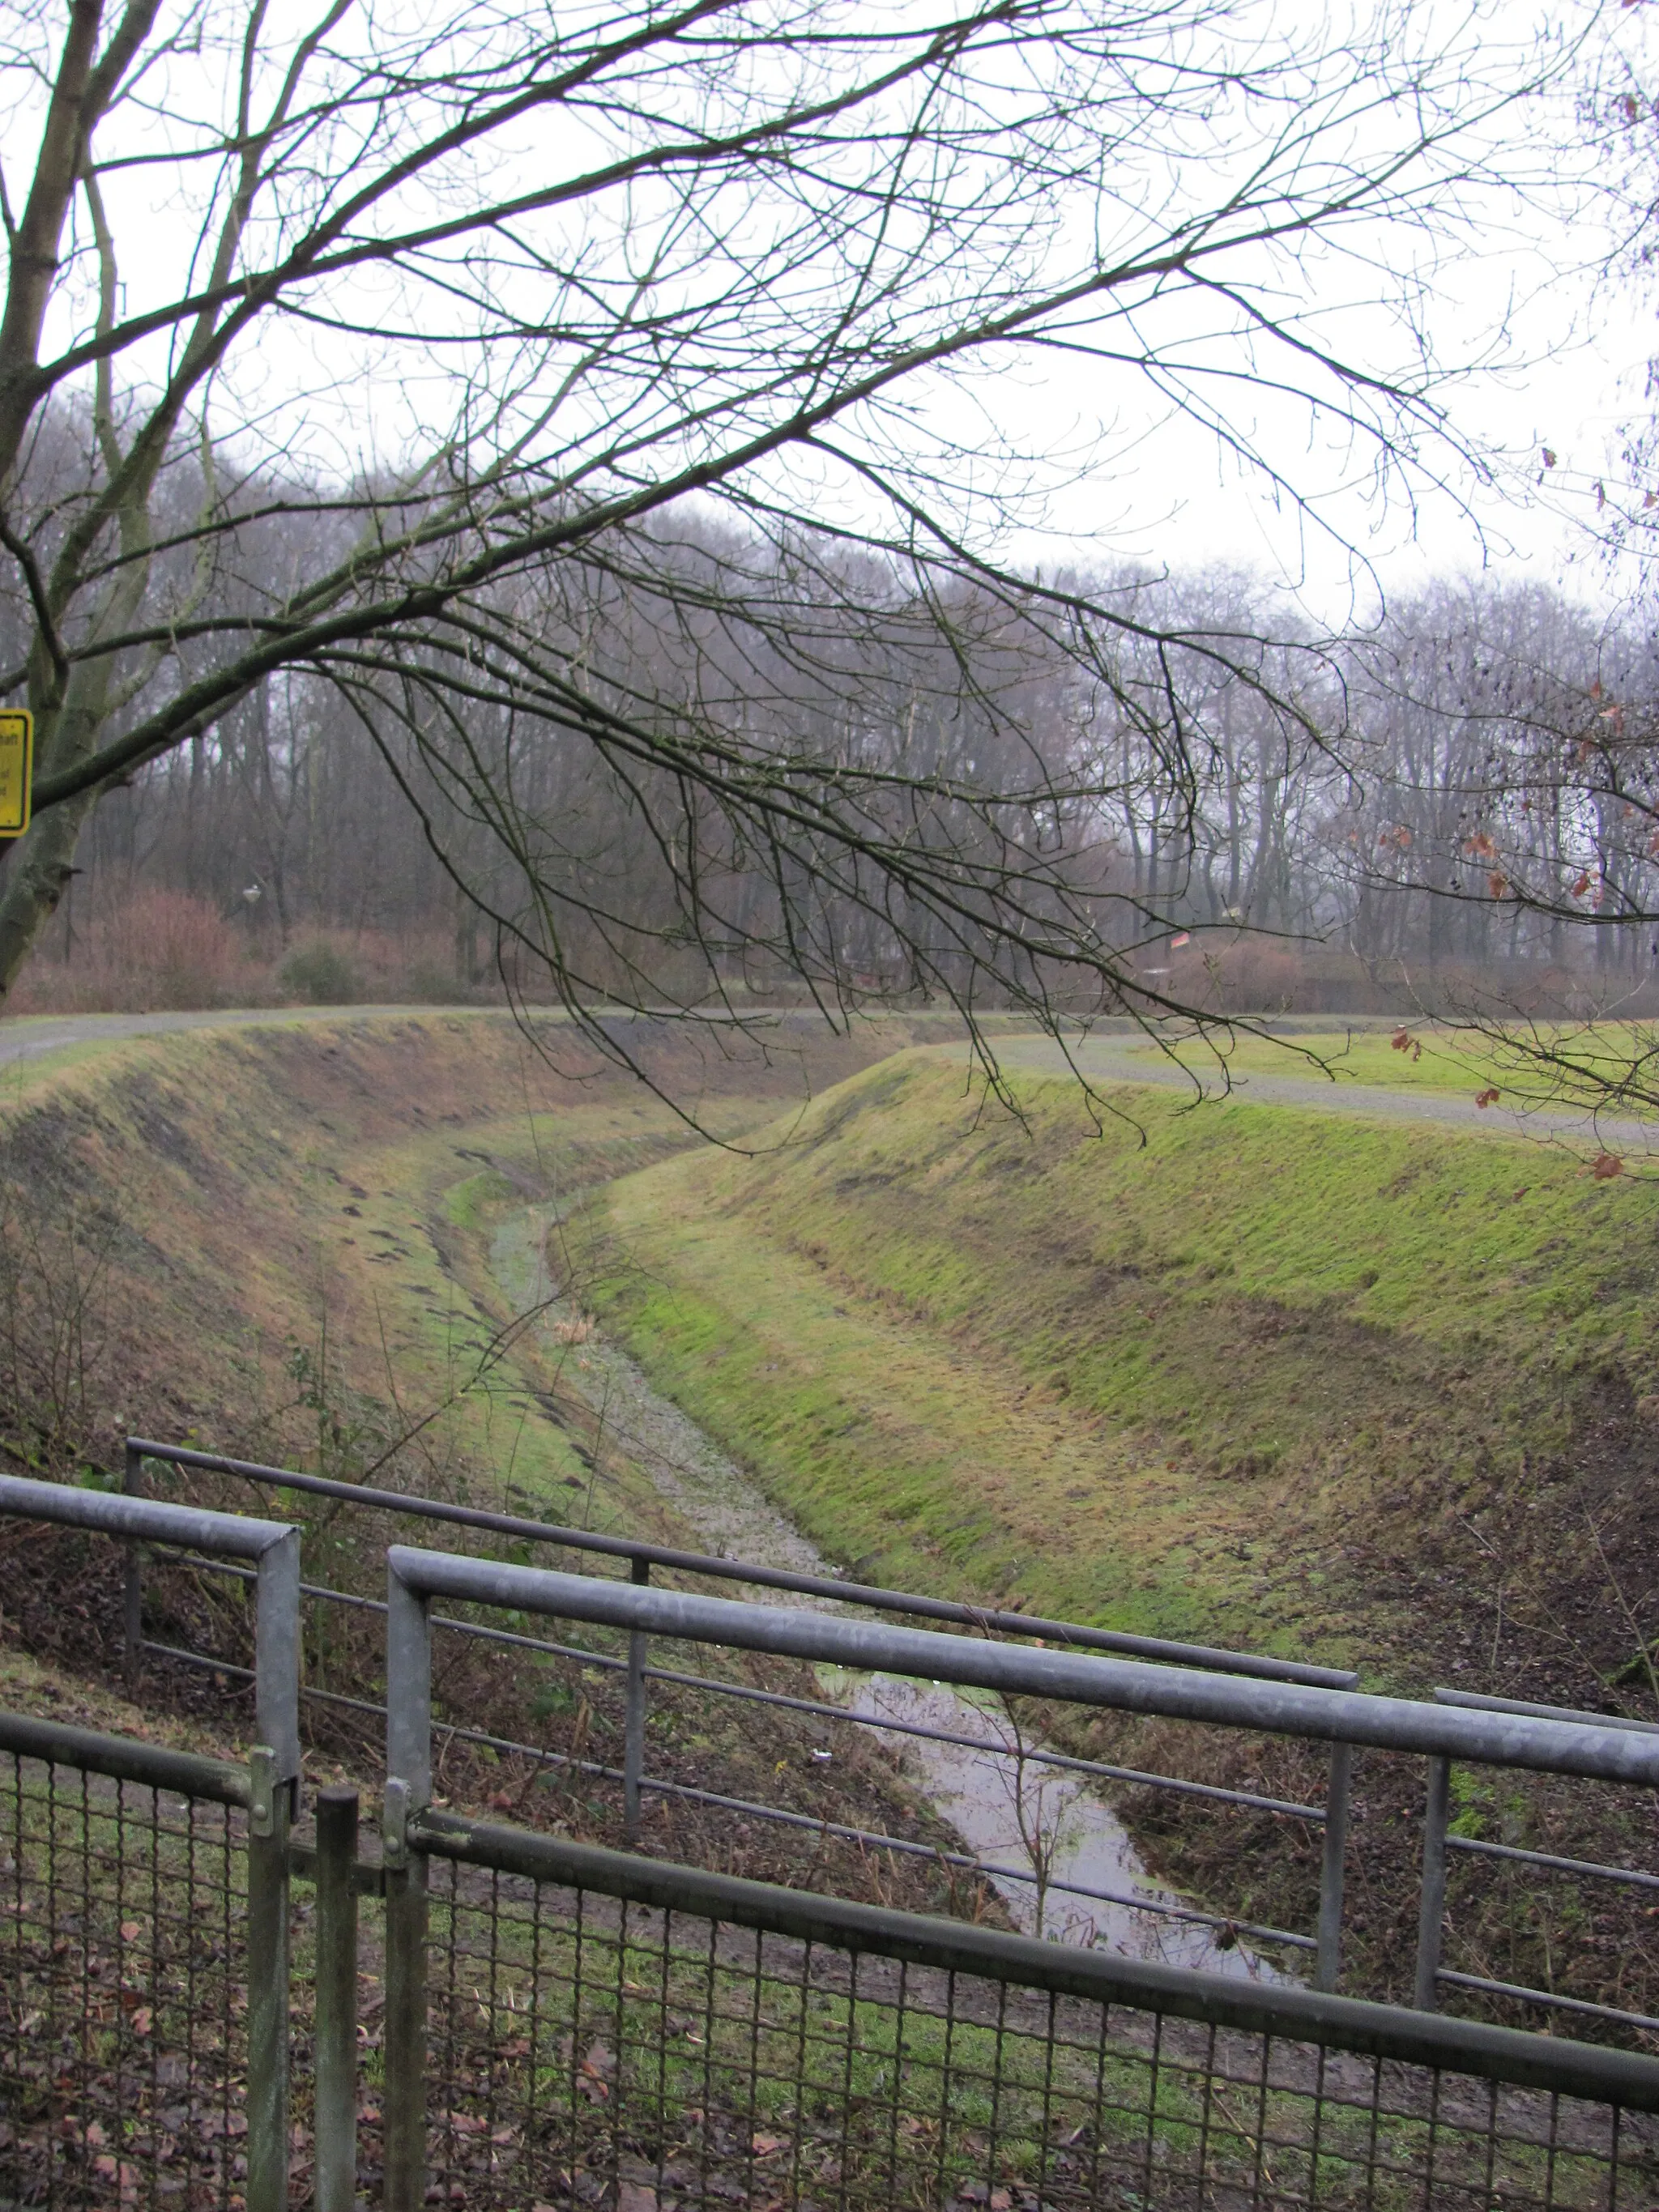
<point x="1365" y="1389"/>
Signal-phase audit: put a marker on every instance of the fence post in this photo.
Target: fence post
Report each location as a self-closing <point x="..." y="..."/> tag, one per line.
<point x="275" y="1774"/>
<point x="276" y="1656"/>
<point x="634" y="1721"/>
<point x="267" y="1984"/>
<point x="1433" y="1911"/>
<point x="408" y="1789"/>
<point x="1327" y="1959"/>
<point x="335" y="2048"/>
<point x="132" y="1587"/>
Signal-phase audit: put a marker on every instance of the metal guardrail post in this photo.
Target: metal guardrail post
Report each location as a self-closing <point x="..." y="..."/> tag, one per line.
<point x="1328" y="1960"/>
<point x="634" y="1720"/>
<point x="1432" y="1912"/>
<point x="336" y="2046"/>
<point x="267" y="1984"/>
<point x="132" y="1584"/>
<point x="407" y="1790"/>
<point x="276" y="1656"/>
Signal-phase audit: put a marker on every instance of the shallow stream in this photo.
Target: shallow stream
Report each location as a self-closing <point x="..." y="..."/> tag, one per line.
<point x="991" y="1792"/>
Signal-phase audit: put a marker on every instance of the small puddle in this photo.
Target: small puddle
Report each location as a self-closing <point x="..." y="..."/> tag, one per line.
<point x="1011" y="1811"/>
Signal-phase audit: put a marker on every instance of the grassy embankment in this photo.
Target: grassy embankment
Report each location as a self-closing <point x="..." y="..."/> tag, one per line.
<point x="1267" y="1379"/>
<point x="1364" y="1389"/>
<point x="274" y="1242"/>
<point x="1361" y="1390"/>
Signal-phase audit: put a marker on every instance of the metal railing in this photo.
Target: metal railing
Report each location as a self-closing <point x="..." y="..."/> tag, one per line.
<point x="1441" y="1841"/>
<point x="1263" y="1694"/>
<point x="640" y="1557"/>
<point x="1441" y="1733"/>
<point x="1328" y="1820"/>
<point x="1265" y="1684"/>
<point x="97" y="1847"/>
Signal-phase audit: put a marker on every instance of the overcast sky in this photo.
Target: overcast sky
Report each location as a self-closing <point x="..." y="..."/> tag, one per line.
<point x="1121" y="485"/>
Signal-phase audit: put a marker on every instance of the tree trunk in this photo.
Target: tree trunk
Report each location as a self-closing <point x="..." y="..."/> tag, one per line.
<point x="42" y="867"/>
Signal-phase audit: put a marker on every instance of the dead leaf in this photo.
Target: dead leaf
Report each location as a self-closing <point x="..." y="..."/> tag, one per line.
<point x="591" y="2077"/>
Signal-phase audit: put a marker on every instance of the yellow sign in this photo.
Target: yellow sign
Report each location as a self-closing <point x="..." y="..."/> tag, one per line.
<point x="16" y="770"/>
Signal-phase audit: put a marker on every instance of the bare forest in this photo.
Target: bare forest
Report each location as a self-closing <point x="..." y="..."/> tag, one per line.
<point x="549" y="500"/>
<point x="1456" y="801"/>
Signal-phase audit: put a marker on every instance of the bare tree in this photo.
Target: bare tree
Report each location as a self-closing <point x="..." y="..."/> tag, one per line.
<point x="588" y="401"/>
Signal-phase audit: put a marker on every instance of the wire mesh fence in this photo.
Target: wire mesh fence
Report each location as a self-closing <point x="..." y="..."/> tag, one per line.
<point x="587" y="2048"/>
<point x="124" y="2048"/>
<point x="565" y="2026"/>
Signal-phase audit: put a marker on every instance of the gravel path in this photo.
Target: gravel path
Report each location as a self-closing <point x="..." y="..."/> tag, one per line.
<point x="1107" y="1059"/>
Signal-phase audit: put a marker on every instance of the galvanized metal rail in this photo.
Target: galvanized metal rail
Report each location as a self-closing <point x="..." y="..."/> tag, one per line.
<point x="637" y="1784"/>
<point x="1439" y="1842"/>
<point x="1604" y="1752"/>
<point x="273" y="1548"/>
<point x="1278" y="1695"/>
<point x="1343" y="1718"/>
<point x="640" y="1555"/>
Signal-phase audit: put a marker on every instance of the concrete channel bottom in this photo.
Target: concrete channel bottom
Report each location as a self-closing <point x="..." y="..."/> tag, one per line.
<point x="609" y="2032"/>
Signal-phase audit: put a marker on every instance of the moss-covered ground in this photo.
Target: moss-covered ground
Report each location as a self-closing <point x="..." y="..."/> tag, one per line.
<point x="1263" y="1378"/>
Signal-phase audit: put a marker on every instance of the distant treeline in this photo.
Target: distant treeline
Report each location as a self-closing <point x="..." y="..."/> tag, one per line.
<point x="1459" y="788"/>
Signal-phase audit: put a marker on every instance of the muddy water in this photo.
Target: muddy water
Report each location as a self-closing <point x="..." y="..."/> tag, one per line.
<point x="1011" y="1812"/>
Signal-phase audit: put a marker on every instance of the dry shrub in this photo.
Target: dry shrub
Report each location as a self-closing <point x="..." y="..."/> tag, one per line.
<point x="157" y="950"/>
<point x="163" y="951"/>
